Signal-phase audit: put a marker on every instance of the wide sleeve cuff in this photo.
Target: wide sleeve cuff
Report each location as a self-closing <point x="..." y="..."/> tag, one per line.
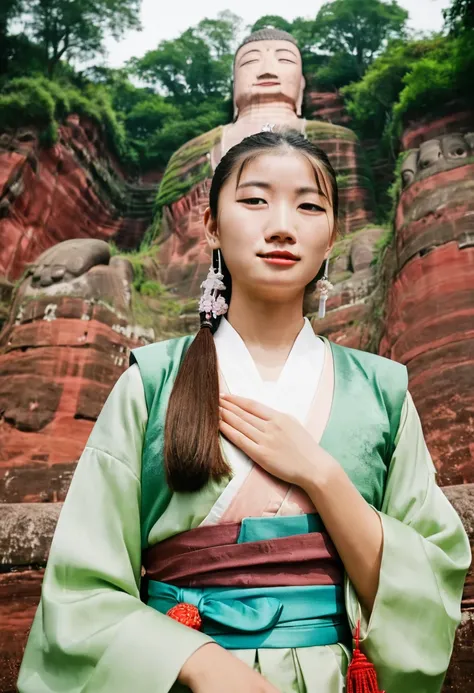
<point x="155" y="648"/>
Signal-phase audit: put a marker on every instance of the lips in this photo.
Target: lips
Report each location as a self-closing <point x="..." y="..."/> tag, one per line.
<point x="267" y="84"/>
<point x="283" y="254"/>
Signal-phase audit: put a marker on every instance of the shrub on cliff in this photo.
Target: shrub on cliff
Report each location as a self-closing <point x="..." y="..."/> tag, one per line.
<point x="443" y="75"/>
<point x="44" y="103"/>
<point x="370" y="101"/>
<point x="25" y="101"/>
<point x="409" y="80"/>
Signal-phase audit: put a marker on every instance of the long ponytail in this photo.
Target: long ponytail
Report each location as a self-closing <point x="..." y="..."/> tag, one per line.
<point x="192" y="450"/>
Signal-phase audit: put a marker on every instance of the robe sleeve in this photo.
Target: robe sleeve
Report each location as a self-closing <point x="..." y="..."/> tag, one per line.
<point x="410" y="633"/>
<point x="91" y="632"/>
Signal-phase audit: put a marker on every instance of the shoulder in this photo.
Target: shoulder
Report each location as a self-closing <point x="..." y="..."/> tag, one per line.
<point x="158" y="362"/>
<point x="380" y="382"/>
<point x="159" y="353"/>
<point x="373" y="365"/>
<point x="197" y="147"/>
<point x="189" y="166"/>
<point x="317" y="130"/>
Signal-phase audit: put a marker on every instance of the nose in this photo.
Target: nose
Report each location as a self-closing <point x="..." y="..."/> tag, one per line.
<point x="281" y="228"/>
<point x="268" y="67"/>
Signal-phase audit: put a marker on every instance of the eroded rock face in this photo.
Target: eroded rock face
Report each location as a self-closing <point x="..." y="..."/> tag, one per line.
<point x="74" y="189"/>
<point x="429" y="324"/>
<point x="351" y="273"/>
<point x="66" y="343"/>
<point x="327" y="106"/>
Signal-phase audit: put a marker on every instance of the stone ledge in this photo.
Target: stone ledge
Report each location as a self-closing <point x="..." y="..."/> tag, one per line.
<point x="26" y="532"/>
<point x="26" y="529"/>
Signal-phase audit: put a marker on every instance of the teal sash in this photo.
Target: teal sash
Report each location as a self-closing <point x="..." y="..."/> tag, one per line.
<point x="269" y="617"/>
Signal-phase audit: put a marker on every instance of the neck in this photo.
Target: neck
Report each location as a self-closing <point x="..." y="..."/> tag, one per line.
<point x="272" y="112"/>
<point x="271" y="326"/>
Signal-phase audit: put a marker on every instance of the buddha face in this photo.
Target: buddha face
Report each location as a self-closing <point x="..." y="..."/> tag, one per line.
<point x="267" y="71"/>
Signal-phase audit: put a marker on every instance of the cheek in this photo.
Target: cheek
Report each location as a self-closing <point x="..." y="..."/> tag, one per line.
<point x="292" y="76"/>
<point x="316" y="238"/>
<point x="234" y="231"/>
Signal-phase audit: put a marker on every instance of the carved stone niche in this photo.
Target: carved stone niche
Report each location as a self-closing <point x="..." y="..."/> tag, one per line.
<point x="433" y="156"/>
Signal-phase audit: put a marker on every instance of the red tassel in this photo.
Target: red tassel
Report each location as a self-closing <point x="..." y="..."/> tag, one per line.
<point x="361" y="674"/>
<point x="187" y="614"/>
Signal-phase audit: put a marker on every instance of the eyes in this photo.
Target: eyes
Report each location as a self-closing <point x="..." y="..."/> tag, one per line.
<point x="250" y="61"/>
<point x="259" y="202"/>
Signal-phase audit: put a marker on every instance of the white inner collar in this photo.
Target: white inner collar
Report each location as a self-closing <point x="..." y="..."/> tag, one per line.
<point x="296" y="385"/>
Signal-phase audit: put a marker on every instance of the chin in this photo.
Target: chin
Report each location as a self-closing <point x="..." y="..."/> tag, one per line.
<point x="274" y="289"/>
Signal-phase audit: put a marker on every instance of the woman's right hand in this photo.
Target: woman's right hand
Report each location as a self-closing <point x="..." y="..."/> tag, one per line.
<point x="212" y="669"/>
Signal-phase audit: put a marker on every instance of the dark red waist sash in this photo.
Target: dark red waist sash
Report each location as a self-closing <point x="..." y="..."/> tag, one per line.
<point x="210" y="556"/>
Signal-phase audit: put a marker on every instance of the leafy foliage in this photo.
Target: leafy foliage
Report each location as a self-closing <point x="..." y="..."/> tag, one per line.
<point x="409" y="79"/>
<point x="195" y="66"/>
<point x="359" y="45"/>
<point x="354" y="32"/>
<point x="44" y="103"/>
<point x="273" y="21"/>
<point x="78" y="27"/>
<point x="460" y="16"/>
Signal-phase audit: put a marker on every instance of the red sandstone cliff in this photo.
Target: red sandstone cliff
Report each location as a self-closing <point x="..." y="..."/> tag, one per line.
<point x="74" y="189"/>
<point x="60" y="362"/>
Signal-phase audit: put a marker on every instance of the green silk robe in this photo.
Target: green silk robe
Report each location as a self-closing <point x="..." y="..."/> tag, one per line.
<point x="91" y="632"/>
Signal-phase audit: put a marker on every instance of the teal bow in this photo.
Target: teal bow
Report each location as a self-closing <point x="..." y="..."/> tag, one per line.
<point x="247" y="617"/>
<point x="248" y="614"/>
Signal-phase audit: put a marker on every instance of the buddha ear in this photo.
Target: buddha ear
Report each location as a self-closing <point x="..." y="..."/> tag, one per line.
<point x="299" y="103"/>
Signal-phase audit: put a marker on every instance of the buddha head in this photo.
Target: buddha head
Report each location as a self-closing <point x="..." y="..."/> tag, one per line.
<point x="268" y="68"/>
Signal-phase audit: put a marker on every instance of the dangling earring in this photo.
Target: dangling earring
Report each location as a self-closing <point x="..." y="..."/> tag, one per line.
<point x="210" y="303"/>
<point x="324" y="286"/>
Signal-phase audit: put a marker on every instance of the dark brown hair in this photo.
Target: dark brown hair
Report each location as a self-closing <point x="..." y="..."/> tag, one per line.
<point x="192" y="451"/>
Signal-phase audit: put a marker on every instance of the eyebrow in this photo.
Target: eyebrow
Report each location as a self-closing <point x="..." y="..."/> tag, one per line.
<point x="266" y="186"/>
<point x="252" y="50"/>
<point x="286" y="50"/>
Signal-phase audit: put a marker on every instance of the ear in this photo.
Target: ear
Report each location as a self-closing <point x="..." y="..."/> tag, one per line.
<point x="332" y="242"/>
<point x="299" y="104"/>
<point x="211" y="230"/>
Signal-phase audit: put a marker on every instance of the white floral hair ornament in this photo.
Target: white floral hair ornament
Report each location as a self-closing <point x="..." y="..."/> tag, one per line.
<point x="210" y="303"/>
<point x="324" y="286"/>
<point x="268" y="127"/>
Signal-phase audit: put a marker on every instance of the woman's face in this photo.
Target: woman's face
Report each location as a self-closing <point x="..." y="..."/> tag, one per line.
<point x="274" y="209"/>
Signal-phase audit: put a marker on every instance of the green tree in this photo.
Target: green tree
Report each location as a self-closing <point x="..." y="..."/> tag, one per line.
<point x="359" y="29"/>
<point x="460" y="15"/>
<point x="9" y="10"/>
<point x="273" y="21"/>
<point x="370" y="101"/>
<point x="303" y="30"/>
<point x="220" y="34"/>
<point x="77" y="28"/>
<point x="196" y="65"/>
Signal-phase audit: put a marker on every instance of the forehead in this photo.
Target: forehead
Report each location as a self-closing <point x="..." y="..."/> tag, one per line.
<point x="254" y="48"/>
<point x="282" y="169"/>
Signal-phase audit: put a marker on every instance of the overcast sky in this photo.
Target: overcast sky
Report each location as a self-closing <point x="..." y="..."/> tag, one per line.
<point x="166" y="20"/>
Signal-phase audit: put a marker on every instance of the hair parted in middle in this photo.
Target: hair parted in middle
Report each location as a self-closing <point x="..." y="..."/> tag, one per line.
<point x="192" y="450"/>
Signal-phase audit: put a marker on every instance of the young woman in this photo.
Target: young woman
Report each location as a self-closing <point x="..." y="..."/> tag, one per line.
<point x="274" y="487"/>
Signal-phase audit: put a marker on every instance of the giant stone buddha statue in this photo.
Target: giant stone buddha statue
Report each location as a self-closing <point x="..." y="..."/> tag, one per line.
<point x="268" y="91"/>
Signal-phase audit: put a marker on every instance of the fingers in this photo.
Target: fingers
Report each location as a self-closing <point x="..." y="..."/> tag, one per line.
<point x="240" y="440"/>
<point x="250" y="406"/>
<point x="252" y="419"/>
<point x="240" y="424"/>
